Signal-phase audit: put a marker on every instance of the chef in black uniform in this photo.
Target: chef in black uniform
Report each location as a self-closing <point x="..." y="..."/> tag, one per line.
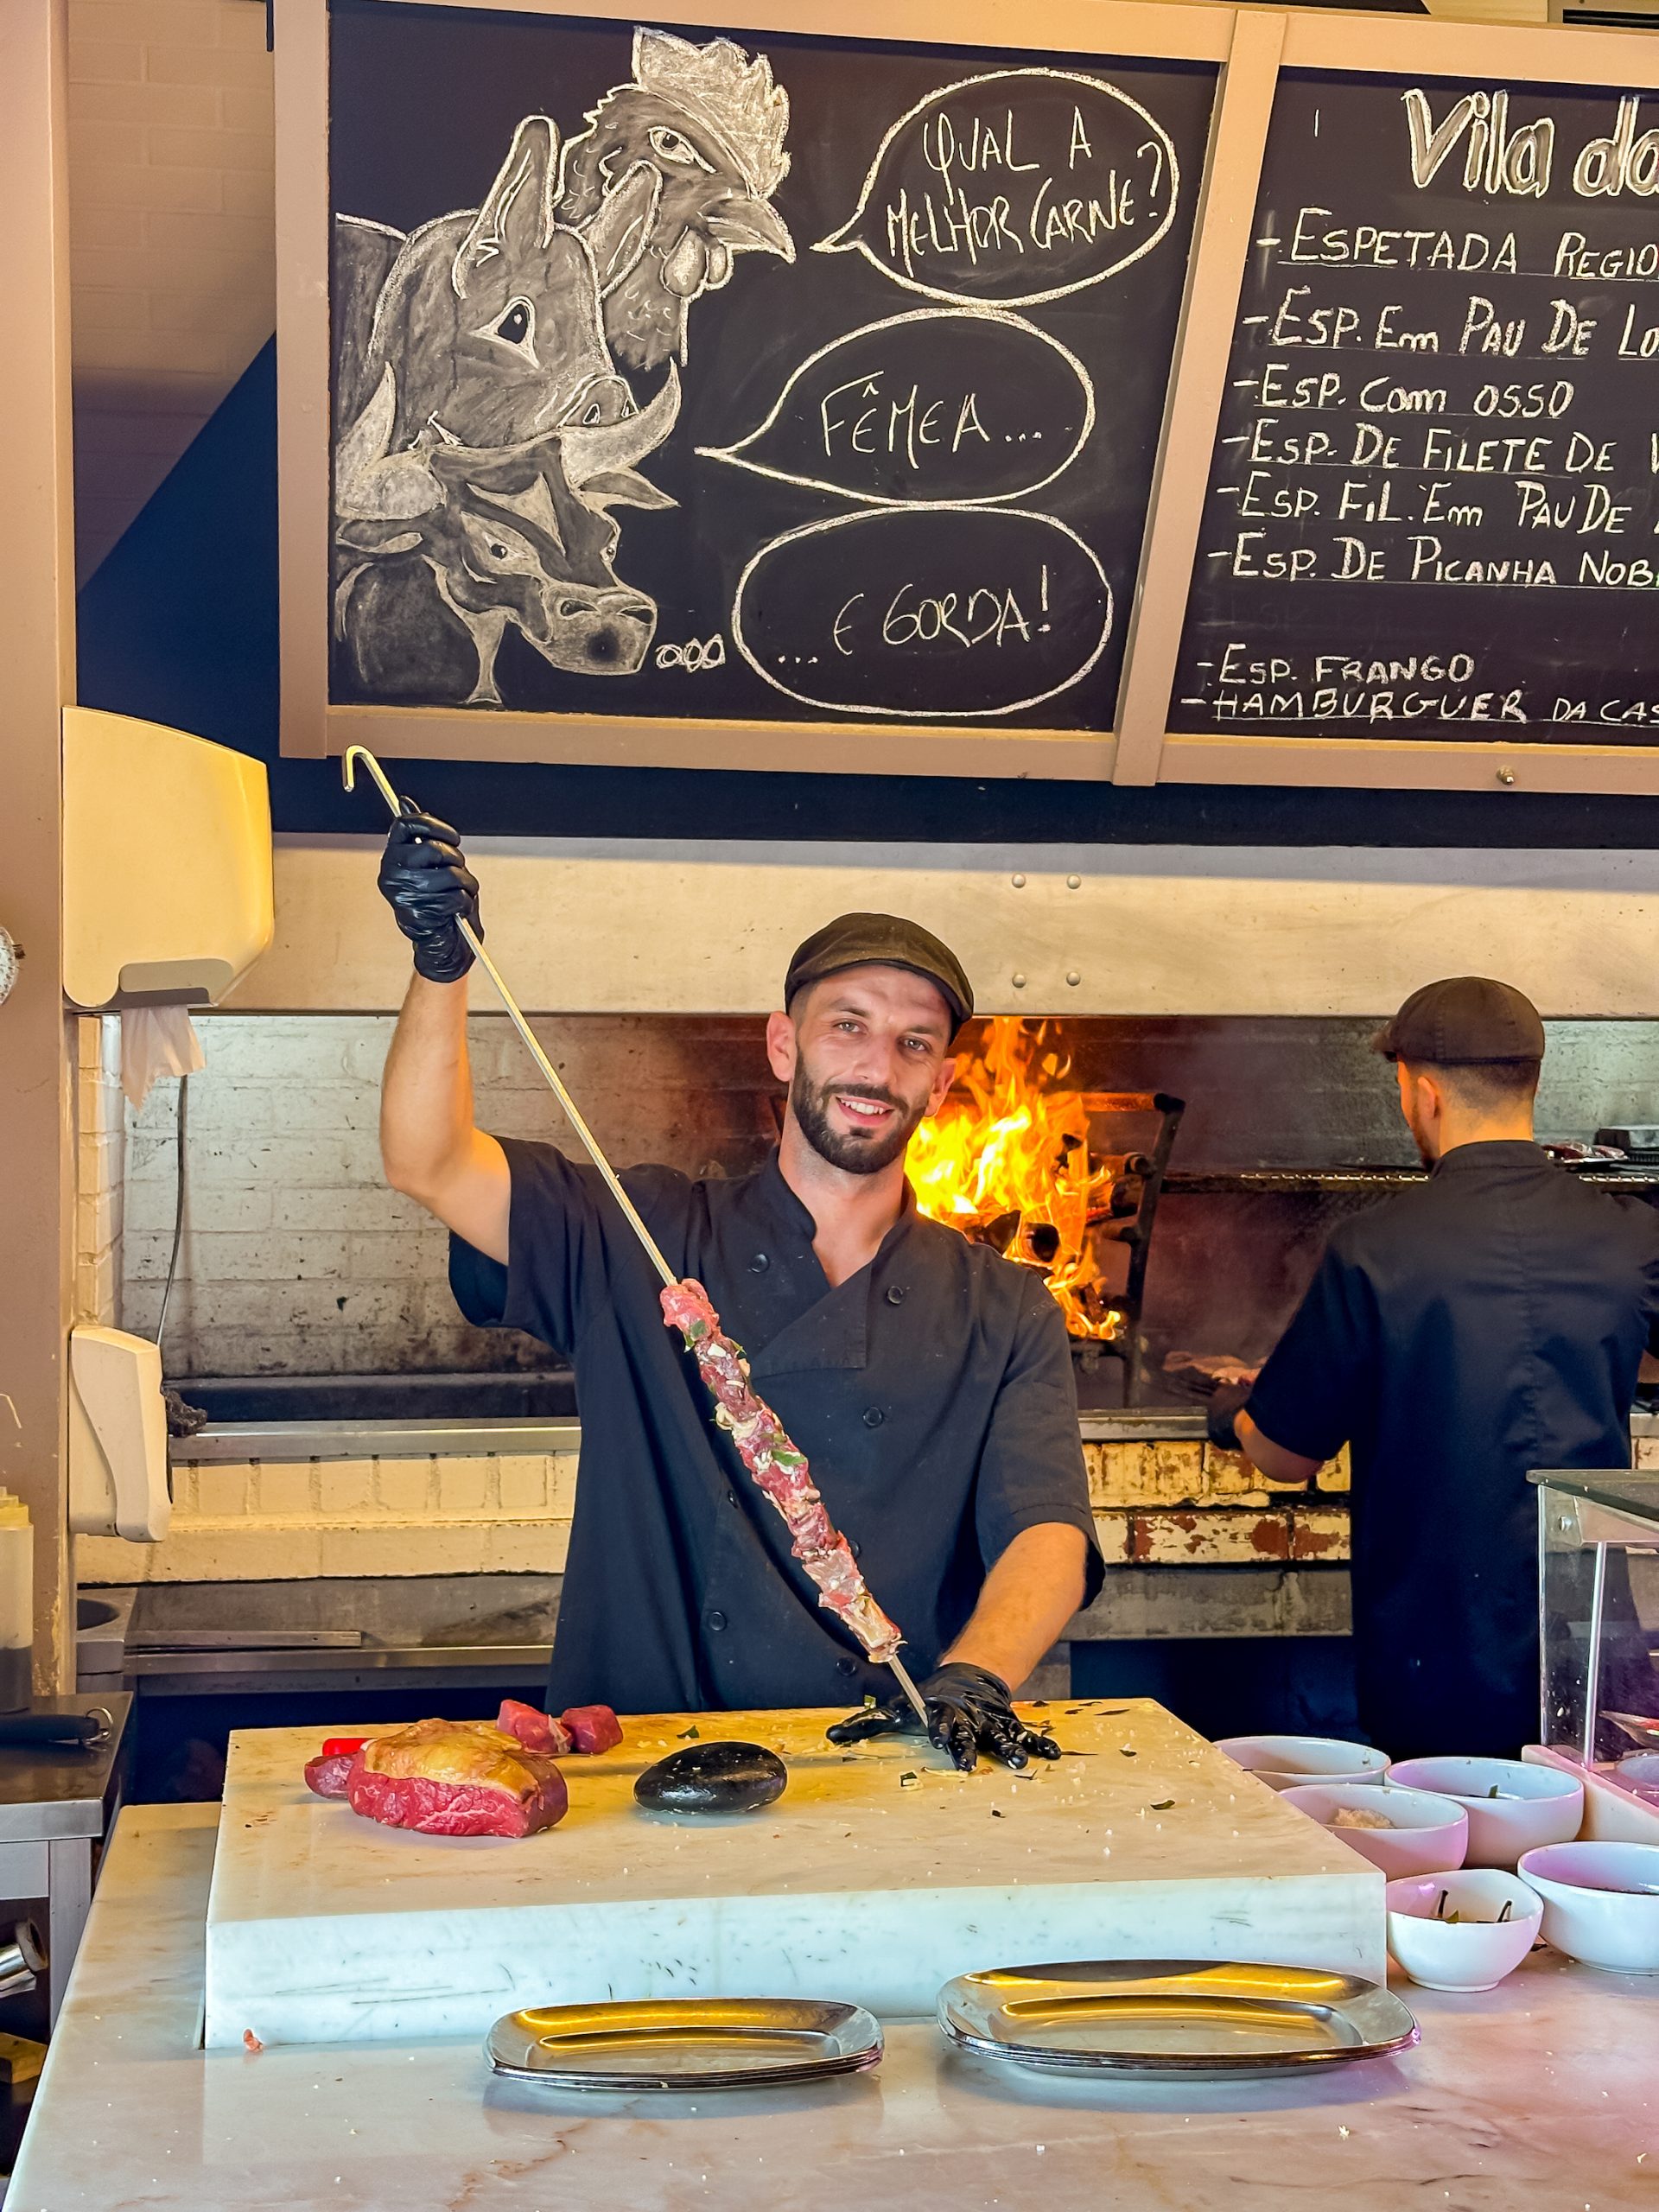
<point x="1491" y="1321"/>
<point x="928" y="1380"/>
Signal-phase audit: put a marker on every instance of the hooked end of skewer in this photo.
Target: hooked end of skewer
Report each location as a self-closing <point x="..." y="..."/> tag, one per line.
<point x="348" y="762"/>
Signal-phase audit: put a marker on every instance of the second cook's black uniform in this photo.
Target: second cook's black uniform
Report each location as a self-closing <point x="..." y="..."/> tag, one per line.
<point x="1487" y="1322"/>
<point x="932" y="1393"/>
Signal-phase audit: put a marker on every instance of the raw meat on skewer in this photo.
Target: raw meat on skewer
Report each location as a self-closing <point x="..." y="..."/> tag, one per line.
<point x="779" y="1468"/>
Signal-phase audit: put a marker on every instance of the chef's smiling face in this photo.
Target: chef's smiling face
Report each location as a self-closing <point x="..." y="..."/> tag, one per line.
<point x="867" y="1056"/>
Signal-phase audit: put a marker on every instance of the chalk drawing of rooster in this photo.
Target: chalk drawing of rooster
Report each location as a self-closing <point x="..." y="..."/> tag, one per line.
<point x="674" y="176"/>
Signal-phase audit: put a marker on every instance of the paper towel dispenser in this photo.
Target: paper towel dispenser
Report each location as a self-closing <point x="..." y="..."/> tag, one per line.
<point x="167" y="874"/>
<point x="117" y="1437"/>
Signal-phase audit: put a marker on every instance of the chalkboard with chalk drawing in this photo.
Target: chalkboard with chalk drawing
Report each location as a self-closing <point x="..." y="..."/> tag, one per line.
<point x="733" y="375"/>
<point x="1433" y="510"/>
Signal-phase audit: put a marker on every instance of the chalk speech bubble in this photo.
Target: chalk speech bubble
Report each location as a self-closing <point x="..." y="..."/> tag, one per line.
<point x="1015" y="188"/>
<point x="946" y="612"/>
<point x="942" y="404"/>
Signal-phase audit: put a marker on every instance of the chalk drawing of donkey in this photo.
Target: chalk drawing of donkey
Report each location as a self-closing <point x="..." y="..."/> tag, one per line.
<point x="522" y="536"/>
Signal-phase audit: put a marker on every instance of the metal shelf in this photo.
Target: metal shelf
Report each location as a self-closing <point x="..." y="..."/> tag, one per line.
<point x="1234" y="1182"/>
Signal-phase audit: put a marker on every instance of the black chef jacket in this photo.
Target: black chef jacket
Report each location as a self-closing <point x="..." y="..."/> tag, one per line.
<point x="931" y="1392"/>
<point x="1486" y="1322"/>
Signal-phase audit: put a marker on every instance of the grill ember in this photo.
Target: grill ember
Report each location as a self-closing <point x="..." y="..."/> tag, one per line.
<point x="1007" y="1159"/>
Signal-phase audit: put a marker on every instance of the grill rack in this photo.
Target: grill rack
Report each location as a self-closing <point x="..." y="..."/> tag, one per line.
<point x="1147" y="1171"/>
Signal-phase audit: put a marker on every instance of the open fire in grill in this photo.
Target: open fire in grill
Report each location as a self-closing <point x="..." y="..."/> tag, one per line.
<point x="1015" y="1158"/>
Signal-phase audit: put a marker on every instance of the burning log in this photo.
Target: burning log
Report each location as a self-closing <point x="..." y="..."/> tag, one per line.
<point x="1009" y="1163"/>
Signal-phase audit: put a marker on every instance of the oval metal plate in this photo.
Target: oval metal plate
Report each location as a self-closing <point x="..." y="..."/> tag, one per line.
<point x="1172" y="2016"/>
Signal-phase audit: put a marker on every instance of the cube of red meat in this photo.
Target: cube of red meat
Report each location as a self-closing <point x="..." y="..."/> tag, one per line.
<point x="326" y="1775"/>
<point x="536" y="1731"/>
<point x="593" y="1727"/>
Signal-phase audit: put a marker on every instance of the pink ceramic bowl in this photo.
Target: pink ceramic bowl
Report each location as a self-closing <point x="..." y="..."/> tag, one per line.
<point x="1285" y="1762"/>
<point x="1427" y="1834"/>
<point x="1475" y="1948"/>
<point x="1601" y="1902"/>
<point x="1512" y="1807"/>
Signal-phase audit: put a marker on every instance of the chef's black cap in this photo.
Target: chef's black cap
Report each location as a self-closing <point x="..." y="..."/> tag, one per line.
<point x="1466" y="1020"/>
<point x="883" y="940"/>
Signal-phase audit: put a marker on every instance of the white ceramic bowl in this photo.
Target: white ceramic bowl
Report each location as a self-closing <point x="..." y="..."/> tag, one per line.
<point x="1476" y="1949"/>
<point x="1601" y="1902"/>
<point x="1428" y="1835"/>
<point x="1283" y="1762"/>
<point x="1534" y="1805"/>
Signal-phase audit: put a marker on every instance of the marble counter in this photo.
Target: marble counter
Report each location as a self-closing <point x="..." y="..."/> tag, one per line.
<point x="1542" y="2096"/>
<point x="879" y="1875"/>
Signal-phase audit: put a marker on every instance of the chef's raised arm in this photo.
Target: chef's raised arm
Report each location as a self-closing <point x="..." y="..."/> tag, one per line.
<point x="430" y="1148"/>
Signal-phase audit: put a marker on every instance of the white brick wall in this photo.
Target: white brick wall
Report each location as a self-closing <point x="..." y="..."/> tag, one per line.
<point x="173" y="248"/>
<point x="100" y="1157"/>
<point x="499" y="1515"/>
<point x="296" y="1257"/>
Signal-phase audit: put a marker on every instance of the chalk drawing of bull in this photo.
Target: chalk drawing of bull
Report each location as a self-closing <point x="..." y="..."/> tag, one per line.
<point x="518" y="536"/>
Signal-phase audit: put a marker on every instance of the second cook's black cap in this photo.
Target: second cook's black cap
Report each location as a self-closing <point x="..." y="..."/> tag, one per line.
<point x="1464" y="1020"/>
<point x="886" y="941"/>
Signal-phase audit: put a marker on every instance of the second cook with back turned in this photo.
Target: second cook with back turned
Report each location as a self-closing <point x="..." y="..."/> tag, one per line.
<point x="1487" y="1322"/>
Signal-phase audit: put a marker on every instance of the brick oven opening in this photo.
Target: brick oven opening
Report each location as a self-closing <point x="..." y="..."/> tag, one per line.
<point x="307" y="1289"/>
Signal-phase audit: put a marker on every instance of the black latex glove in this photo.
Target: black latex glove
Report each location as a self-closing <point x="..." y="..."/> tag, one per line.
<point x="1226" y="1404"/>
<point x="969" y="1710"/>
<point x="428" y="885"/>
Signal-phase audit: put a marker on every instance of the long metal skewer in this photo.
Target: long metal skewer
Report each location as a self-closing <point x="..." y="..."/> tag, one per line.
<point x="902" y="1673"/>
<point x="556" y="1083"/>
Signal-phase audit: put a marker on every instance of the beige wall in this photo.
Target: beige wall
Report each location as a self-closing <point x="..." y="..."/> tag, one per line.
<point x="171" y="226"/>
<point x="609" y="927"/>
<point x="37" y="653"/>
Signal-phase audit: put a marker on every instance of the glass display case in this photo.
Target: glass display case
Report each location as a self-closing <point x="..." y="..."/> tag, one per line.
<point x="1598" y="1621"/>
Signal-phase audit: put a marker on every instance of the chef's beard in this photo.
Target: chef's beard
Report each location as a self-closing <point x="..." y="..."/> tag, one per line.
<point x="855" y="1154"/>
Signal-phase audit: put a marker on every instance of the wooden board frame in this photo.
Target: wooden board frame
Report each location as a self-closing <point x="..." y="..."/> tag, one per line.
<point x="1250" y="45"/>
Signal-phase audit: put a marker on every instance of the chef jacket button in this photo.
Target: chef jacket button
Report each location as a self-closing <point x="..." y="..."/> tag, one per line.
<point x="846" y="1666"/>
<point x="873" y="1416"/>
<point x="760" y="1263"/>
<point x="716" y="1621"/>
<point x="855" y="1547"/>
<point x="731" y="1498"/>
<point x="896" y="1294"/>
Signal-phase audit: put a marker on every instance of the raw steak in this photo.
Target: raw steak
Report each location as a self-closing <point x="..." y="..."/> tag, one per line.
<point x="456" y="1777"/>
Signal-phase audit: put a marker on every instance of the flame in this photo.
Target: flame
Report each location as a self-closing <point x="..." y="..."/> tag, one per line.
<point x="1007" y="1161"/>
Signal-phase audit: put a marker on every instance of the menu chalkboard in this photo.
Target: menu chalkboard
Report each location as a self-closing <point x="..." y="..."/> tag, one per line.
<point x="695" y="374"/>
<point x="1432" y="508"/>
